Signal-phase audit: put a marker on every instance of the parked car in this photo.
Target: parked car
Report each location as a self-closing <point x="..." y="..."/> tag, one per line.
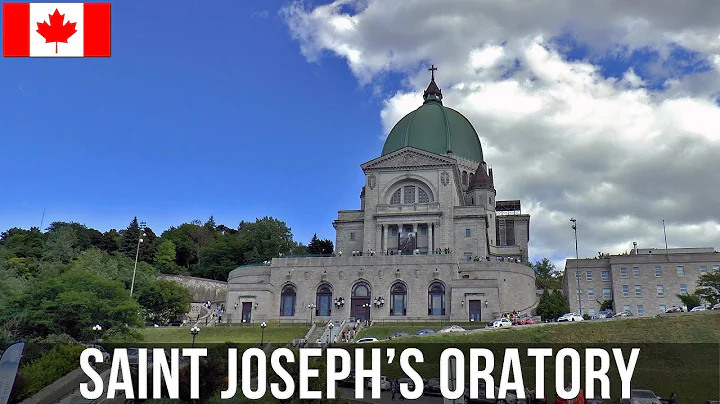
<point x="570" y="317"/>
<point x="409" y="381"/>
<point x="716" y="306"/>
<point x="641" y="396"/>
<point x="601" y="315"/>
<point x="523" y="321"/>
<point x="623" y="314"/>
<point x="425" y="331"/>
<point x="366" y="339"/>
<point x="675" y="309"/>
<point x="348" y="381"/>
<point x="432" y="387"/>
<point x="398" y="335"/>
<point x="106" y="357"/>
<point x="384" y="383"/>
<point x="451" y="328"/>
<point x="502" y="323"/>
<point x="510" y="397"/>
<point x="698" y="308"/>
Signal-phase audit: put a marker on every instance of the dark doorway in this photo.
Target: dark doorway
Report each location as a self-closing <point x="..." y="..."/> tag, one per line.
<point x="360" y="297"/>
<point x="475" y="310"/>
<point x="246" y="312"/>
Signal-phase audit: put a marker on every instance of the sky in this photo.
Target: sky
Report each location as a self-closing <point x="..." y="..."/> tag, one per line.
<point x="602" y="111"/>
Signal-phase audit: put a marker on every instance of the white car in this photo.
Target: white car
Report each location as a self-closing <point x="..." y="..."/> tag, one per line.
<point x="501" y="323"/>
<point x="452" y="328"/>
<point x="716" y="306"/>
<point x="698" y="308"/>
<point x="366" y="339"/>
<point x="570" y="317"/>
<point x="384" y="383"/>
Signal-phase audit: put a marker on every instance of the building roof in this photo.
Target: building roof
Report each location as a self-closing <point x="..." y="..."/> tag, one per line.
<point x="481" y="180"/>
<point x="435" y="128"/>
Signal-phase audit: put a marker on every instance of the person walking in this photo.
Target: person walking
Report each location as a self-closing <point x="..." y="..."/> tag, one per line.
<point x="394" y="388"/>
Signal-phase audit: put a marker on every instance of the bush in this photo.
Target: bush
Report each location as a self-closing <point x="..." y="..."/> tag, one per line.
<point x="57" y="362"/>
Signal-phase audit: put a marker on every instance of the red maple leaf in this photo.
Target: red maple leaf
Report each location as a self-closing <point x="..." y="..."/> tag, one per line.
<point x="56" y="31"/>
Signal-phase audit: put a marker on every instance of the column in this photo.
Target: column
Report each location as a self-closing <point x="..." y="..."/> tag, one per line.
<point x="386" y="228"/>
<point x="431" y="250"/>
<point x="415" y="225"/>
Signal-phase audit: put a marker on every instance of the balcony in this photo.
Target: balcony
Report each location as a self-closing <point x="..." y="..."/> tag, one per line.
<point x="431" y="207"/>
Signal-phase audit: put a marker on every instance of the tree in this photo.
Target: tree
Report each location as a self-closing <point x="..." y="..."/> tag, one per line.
<point x="220" y="257"/>
<point x="690" y="300"/>
<point x="606" y="305"/>
<point x="129" y="239"/>
<point x="24" y="243"/>
<point x="164" y="301"/>
<point x="62" y="245"/>
<point x="320" y="247"/>
<point x="709" y="287"/>
<point x="264" y="239"/>
<point x="552" y="304"/>
<point x="165" y="253"/>
<point x="71" y="304"/>
<point x="546" y="275"/>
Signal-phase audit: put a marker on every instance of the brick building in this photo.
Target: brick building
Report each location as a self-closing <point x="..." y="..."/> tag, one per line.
<point x="645" y="281"/>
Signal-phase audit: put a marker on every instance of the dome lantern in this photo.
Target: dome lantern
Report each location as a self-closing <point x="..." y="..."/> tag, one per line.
<point x="433" y="92"/>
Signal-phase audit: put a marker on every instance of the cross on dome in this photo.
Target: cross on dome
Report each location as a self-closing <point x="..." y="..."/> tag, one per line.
<point x="432" y="93"/>
<point x="432" y="72"/>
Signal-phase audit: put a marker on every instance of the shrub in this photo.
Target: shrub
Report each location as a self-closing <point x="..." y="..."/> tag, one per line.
<point x="41" y="372"/>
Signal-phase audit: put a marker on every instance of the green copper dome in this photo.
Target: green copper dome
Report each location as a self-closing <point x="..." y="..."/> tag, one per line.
<point x="435" y="128"/>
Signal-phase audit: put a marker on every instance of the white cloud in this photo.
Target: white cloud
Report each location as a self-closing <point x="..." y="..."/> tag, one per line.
<point x="616" y="154"/>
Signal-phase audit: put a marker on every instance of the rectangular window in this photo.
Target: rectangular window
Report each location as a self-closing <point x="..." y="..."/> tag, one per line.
<point x="577" y="275"/>
<point x="703" y="270"/>
<point x="409" y="194"/>
<point x="623" y="272"/>
<point x="658" y="272"/>
<point x="681" y="271"/>
<point x="660" y="290"/>
<point x="716" y="268"/>
<point x="683" y="289"/>
<point x="352" y="236"/>
<point x="591" y="294"/>
<point x="588" y="275"/>
<point x="641" y="310"/>
<point x="468" y="257"/>
<point x="605" y="275"/>
<point x="591" y="312"/>
<point x="607" y="294"/>
<point x="626" y="290"/>
<point x="638" y="291"/>
<point x="626" y="307"/>
<point x="662" y="308"/>
<point x="636" y="272"/>
<point x="467" y="233"/>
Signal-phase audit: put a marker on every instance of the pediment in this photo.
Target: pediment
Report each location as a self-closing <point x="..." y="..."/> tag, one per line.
<point x="408" y="158"/>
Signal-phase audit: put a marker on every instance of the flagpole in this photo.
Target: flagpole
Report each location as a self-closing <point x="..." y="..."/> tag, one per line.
<point x="666" y="245"/>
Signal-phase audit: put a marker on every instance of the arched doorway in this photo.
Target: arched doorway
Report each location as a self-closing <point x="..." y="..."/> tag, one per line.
<point x="360" y="297"/>
<point x="323" y="300"/>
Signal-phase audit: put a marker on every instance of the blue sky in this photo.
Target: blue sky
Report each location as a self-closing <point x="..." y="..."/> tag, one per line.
<point x="214" y="110"/>
<point x="200" y="111"/>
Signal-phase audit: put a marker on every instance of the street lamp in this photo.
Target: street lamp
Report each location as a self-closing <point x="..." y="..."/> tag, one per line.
<point x="194" y="331"/>
<point x="262" y="333"/>
<point x="577" y="267"/>
<point x="97" y="328"/>
<point x="137" y="254"/>
<point x="368" y="306"/>
<point x="311" y="307"/>
<point x="331" y="326"/>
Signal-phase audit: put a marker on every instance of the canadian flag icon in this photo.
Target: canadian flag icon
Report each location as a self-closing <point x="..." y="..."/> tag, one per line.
<point x="56" y="29"/>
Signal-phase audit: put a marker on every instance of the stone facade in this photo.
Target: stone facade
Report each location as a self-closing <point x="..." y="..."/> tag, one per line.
<point x="644" y="282"/>
<point x="430" y="240"/>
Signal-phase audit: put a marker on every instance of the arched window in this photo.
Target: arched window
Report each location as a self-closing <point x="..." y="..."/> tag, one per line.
<point x="409" y="194"/>
<point x="436" y="299"/>
<point x="288" y="298"/>
<point x="398" y="299"/>
<point x="395" y="198"/>
<point x="323" y="300"/>
<point x="361" y="289"/>
<point x="423" y="196"/>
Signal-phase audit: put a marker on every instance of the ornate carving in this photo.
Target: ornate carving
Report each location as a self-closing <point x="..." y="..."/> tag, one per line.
<point x="410" y="159"/>
<point x="380" y="273"/>
<point x="307" y="275"/>
<point x="445" y="178"/>
<point x="341" y="275"/>
<point x="417" y="273"/>
<point x="372" y="181"/>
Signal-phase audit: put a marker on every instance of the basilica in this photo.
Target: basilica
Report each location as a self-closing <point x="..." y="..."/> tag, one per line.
<point x="429" y="241"/>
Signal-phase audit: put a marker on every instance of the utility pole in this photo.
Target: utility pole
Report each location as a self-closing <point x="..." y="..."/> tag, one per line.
<point x="577" y="265"/>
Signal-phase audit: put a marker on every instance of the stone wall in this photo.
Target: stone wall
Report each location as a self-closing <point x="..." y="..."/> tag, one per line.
<point x="201" y="289"/>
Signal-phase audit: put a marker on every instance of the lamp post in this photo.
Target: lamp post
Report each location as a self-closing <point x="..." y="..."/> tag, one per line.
<point x="331" y="326"/>
<point x="577" y="265"/>
<point x="311" y="307"/>
<point x="137" y="255"/>
<point x="97" y="328"/>
<point x="194" y="331"/>
<point x="368" y="306"/>
<point x="262" y="332"/>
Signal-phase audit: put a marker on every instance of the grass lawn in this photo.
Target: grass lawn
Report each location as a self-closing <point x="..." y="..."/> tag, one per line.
<point x="248" y="333"/>
<point x="701" y="327"/>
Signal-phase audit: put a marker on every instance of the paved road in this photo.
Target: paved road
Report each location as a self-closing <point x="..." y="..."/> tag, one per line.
<point x="386" y="397"/>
